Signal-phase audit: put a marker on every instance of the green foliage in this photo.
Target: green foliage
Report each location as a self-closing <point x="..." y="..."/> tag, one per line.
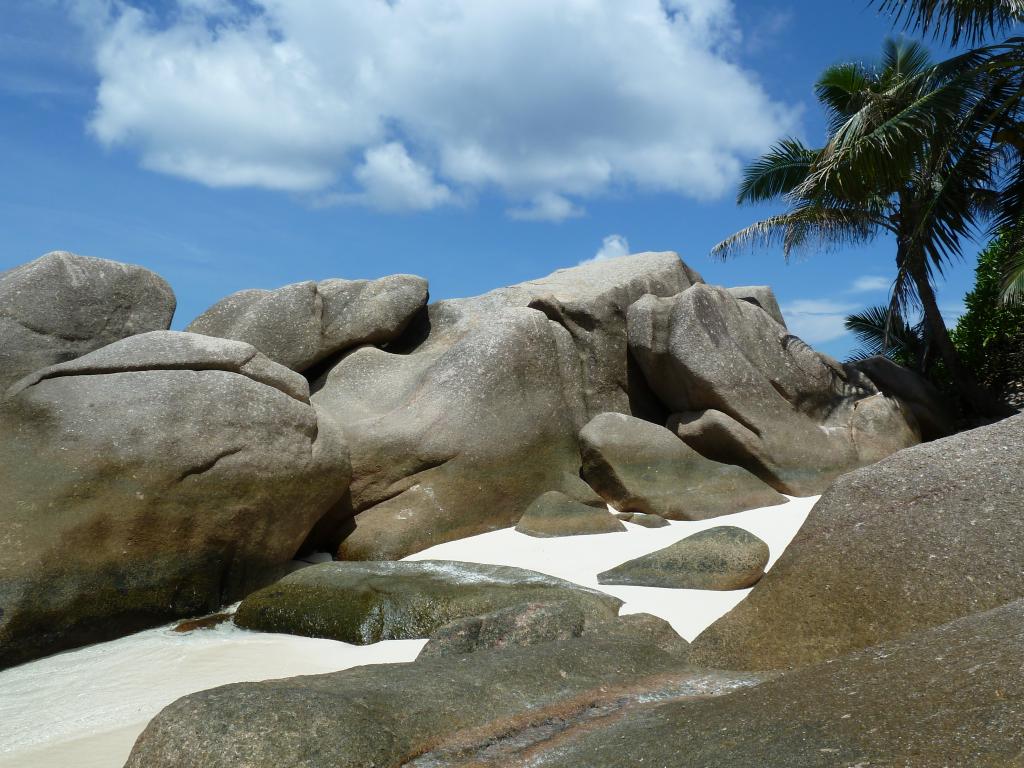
<point x="879" y="333"/>
<point x="990" y="334"/>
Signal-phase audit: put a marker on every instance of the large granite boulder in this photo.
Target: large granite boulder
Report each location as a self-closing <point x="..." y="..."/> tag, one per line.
<point x="919" y="395"/>
<point x="928" y="535"/>
<point x="949" y="696"/>
<point x="554" y="514"/>
<point x="455" y="429"/>
<point x="760" y="296"/>
<point x="637" y="466"/>
<point x="161" y="476"/>
<point x="434" y="711"/>
<point x="302" y="324"/>
<point x="719" y="558"/>
<point x="62" y="306"/>
<point x="512" y="627"/>
<point x="366" y="602"/>
<point x="748" y="392"/>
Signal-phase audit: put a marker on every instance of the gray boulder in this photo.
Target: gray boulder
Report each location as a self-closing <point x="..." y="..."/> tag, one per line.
<point x="511" y="627"/>
<point x="916" y="392"/>
<point x="434" y="709"/>
<point x="437" y="422"/>
<point x="643" y="519"/>
<point x="62" y="306"/>
<point x="365" y="602"/>
<point x="302" y="324"/>
<point x="745" y="391"/>
<point x="760" y="296"/>
<point x="159" y="477"/>
<point x="555" y="514"/>
<point x="719" y="558"/>
<point x="637" y="466"/>
<point x="950" y="696"/>
<point x="926" y="536"/>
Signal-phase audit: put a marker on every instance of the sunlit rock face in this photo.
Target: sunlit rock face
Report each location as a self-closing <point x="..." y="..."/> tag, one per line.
<point x="161" y="476"/>
<point x="746" y="391"/>
<point x="302" y="324"/>
<point x="62" y="305"/>
<point x="477" y="415"/>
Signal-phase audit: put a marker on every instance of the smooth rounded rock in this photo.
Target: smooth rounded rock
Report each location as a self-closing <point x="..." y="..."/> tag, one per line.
<point x="719" y="558"/>
<point x="555" y="514"/>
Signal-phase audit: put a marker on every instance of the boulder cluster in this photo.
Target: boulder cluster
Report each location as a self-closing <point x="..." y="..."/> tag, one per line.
<point x="149" y="475"/>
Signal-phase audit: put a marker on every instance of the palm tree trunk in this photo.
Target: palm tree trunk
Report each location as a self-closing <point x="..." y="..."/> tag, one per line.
<point x="979" y="400"/>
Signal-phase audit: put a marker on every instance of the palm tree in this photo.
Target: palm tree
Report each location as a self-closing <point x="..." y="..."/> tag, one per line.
<point x="956" y="20"/>
<point x="928" y="197"/>
<point x="879" y="333"/>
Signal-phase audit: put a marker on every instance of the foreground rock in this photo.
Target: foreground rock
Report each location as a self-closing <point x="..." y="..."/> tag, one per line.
<point x="745" y="391"/>
<point x="301" y="324"/>
<point x="931" y="534"/>
<point x="950" y="696"/>
<point x="718" y="558"/>
<point x="921" y="396"/>
<point x="371" y="601"/>
<point x="159" y="477"/>
<point x="555" y="514"/>
<point x="512" y="627"/>
<point x="480" y="386"/>
<point x="62" y="306"/>
<point x="437" y="709"/>
<point x="637" y="466"/>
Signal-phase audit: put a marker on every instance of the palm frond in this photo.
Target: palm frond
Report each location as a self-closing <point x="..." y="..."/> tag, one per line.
<point x="803" y="227"/>
<point x="1012" y="289"/>
<point x="776" y="172"/>
<point x="879" y="332"/>
<point x="955" y="20"/>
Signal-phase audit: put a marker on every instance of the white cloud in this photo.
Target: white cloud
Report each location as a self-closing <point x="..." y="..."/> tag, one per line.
<point x="548" y="102"/>
<point x="612" y="247"/>
<point x="394" y="181"/>
<point x="817" y="320"/>
<point x="870" y="284"/>
<point x="547" y="206"/>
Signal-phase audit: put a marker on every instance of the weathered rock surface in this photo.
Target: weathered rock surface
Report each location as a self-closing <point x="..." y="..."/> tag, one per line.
<point x="720" y="558"/>
<point x="748" y="392"/>
<point x="62" y="306"/>
<point x="459" y="430"/>
<point x="915" y="391"/>
<point x="365" y="602"/>
<point x="555" y="514"/>
<point x="931" y="534"/>
<point x="949" y="696"/>
<point x="301" y="324"/>
<point x="159" y="477"/>
<point x="637" y="466"/>
<point x="643" y="519"/>
<point x="760" y="296"/>
<point x="387" y="716"/>
<point x="512" y="627"/>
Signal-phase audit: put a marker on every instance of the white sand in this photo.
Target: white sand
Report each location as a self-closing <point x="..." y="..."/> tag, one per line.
<point x="85" y="708"/>
<point x="580" y="558"/>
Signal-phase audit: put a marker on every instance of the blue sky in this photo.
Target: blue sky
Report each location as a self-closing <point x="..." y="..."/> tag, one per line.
<point x="230" y="144"/>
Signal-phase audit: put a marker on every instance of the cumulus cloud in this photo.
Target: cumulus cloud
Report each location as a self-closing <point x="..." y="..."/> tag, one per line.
<point x="870" y="284"/>
<point x="612" y="247"/>
<point x="546" y="102"/>
<point x="817" y="320"/>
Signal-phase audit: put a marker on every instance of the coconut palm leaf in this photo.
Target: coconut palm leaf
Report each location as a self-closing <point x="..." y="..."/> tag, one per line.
<point x="776" y="173"/>
<point x="956" y="20"/>
<point x="881" y="332"/>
